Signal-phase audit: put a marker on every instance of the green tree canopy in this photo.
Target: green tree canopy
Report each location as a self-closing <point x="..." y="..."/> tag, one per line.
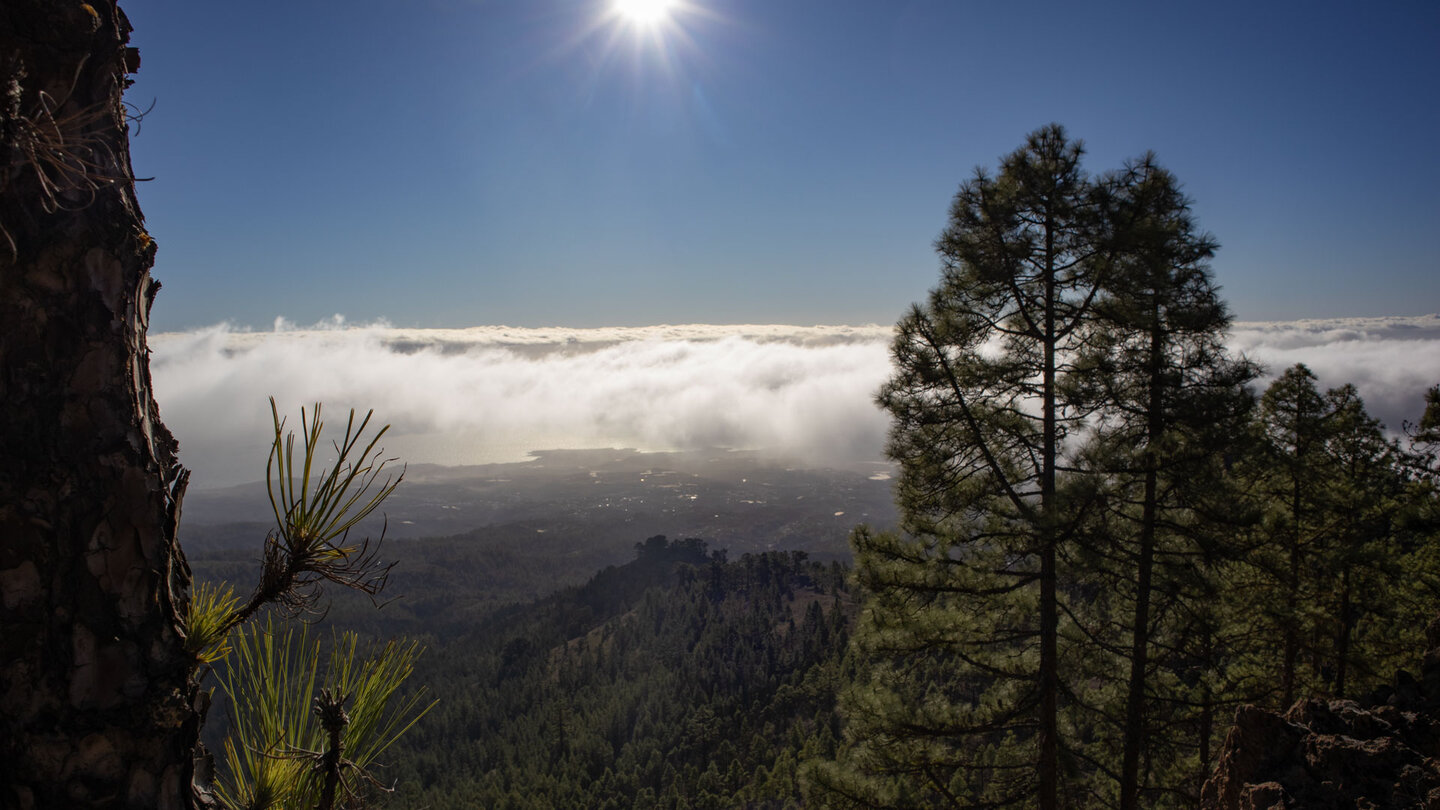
<point x="1057" y="406"/>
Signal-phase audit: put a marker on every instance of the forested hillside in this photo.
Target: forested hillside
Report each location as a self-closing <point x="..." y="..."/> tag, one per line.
<point x="680" y="679"/>
<point x="686" y="679"/>
<point x="677" y="680"/>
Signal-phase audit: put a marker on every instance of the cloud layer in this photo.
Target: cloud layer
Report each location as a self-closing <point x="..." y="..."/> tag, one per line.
<point x="456" y="396"/>
<point x="1392" y="361"/>
<point x="495" y="393"/>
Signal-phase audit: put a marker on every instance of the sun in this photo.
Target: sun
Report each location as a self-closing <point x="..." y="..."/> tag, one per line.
<point x="644" y="12"/>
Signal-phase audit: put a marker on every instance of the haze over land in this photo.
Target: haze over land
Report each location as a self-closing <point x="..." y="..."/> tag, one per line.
<point x="801" y="395"/>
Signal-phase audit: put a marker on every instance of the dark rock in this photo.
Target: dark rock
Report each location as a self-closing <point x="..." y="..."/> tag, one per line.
<point x="1264" y="796"/>
<point x="1259" y="745"/>
<point x="1381" y="751"/>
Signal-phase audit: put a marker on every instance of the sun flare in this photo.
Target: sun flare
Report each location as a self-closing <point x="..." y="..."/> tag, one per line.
<point x="644" y="12"/>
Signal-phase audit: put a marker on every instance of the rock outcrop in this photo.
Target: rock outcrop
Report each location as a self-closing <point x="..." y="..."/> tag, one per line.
<point x="1382" y="751"/>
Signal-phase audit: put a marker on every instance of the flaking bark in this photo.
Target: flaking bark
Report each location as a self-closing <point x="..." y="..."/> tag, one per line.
<point x="98" y="707"/>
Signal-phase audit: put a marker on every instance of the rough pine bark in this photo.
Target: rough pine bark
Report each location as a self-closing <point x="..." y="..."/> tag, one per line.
<point x="97" y="702"/>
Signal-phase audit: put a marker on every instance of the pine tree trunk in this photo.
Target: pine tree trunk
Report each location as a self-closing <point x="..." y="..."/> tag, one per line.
<point x="1206" y="731"/>
<point x="1342" y="644"/>
<point x="1049" y="737"/>
<point x="1134" y="742"/>
<point x="97" y="702"/>
<point x="1291" y="644"/>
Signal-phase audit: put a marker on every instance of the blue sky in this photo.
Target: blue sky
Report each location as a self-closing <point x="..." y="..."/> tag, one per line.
<point x="539" y="162"/>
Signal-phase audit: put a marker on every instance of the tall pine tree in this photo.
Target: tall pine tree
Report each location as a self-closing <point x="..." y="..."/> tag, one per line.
<point x="1172" y="398"/>
<point x="964" y="629"/>
<point x="1337" y="571"/>
<point x="1291" y="472"/>
<point x="1044" y="632"/>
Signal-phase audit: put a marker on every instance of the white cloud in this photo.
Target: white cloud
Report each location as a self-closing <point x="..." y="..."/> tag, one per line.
<point x="1392" y="361"/>
<point x="495" y="393"/>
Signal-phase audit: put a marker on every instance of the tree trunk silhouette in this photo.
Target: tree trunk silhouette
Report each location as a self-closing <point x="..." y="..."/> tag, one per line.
<point x="98" y="706"/>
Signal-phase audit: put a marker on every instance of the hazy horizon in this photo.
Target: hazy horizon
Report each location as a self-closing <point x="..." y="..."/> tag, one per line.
<point x="802" y="394"/>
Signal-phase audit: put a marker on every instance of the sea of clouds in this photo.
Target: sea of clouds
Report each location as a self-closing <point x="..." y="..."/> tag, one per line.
<point x="487" y="394"/>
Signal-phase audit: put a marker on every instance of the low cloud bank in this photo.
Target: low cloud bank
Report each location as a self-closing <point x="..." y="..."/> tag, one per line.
<point x="495" y="393"/>
<point x="806" y="394"/>
<point x="1392" y="361"/>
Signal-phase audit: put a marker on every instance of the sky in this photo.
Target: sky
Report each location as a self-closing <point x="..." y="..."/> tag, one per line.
<point x="546" y="163"/>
